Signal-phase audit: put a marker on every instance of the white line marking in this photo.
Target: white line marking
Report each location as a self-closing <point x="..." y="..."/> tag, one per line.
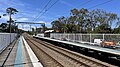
<point x="32" y="56"/>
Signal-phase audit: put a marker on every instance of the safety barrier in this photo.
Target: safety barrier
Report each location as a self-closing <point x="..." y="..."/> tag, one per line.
<point x="86" y="37"/>
<point x="5" y="39"/>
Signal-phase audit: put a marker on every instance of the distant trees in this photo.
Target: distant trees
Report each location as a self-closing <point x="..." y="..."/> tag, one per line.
<point x="4" y="27"/>
<point x="10" y="26"/>
<point x="85" y="21"/>
<point x="44" y="28"/>
<point x="57" y="25"/>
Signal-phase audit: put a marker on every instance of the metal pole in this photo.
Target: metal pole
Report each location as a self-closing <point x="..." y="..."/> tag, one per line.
<point x="103" y="37"/>
<point x="36" y="30"/>
<point x="90" y="38"/>
<point x="30" y="27"/>
<point x="43" y="27"/>
<point x="81" y="36"/>
<point x="10" y="19"/>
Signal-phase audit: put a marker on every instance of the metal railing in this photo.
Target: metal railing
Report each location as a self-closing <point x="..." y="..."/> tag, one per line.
<point x="5" y="39"/>
<point x="86" y="37"/>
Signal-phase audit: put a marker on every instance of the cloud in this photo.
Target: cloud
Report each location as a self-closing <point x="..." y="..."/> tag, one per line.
<point x="25" y="13"/>
<point x="5" y="18"/>
<point x="23" y="10"/>
<point x="41" y="22"/>
<point x="46" y="23"/>
<point x="14" y="4"/>
<point x="22" y="19"/>
<point x="25" y="27"/>
<point x="66" y="3"/>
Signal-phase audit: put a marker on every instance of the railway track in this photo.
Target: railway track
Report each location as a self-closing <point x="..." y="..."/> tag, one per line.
<point x="69" y="58"/>
<point x="47" y="60"/>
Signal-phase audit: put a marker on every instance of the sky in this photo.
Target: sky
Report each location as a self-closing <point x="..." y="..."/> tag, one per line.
<point x="29" y="9"/>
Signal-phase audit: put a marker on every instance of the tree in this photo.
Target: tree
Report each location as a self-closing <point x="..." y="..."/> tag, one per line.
<point x="4" y="27"/>
<point x="75" y="12"/>
<point x="63" y="23"/>
<point x="117" y="30"/>
<point x="11" y="11"/>
<point x="118" y="22"/>
<point x="84" y="21"/>
<point x="80" y="19"/>
<point x="104" y="28"/>
<point x="102" y="17"/>
<point x="71" y="26"/>
<point x="56" y="25"/>
<point x="44" y="28"/>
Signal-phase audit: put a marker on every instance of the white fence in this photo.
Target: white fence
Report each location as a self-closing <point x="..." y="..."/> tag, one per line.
<point x="86" y="37"/>
<point x="39" y="35"/>
<point x="5" y="40"/>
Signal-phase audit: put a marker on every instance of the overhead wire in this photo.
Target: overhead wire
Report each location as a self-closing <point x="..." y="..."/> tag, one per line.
<point x="80" y="5"/>
<point x="84" y="3"/>
<point x="39" y="10"/>
<point x="100" y="4"/>
<point x="56" y="2"/>
<point x="49" y="8"/>
<point x="42" y="10"/>
<point x="97" y="4"/>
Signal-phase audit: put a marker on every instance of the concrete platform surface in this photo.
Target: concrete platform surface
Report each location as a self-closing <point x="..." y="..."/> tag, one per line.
<point x="18" y="57"/>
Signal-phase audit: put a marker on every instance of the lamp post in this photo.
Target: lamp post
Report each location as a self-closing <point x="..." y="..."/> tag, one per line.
<point x="10" y="21"/>
<point x="10" y="11"/>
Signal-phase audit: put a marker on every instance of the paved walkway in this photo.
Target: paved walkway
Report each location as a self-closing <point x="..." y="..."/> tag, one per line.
<point x="18" y="57"/>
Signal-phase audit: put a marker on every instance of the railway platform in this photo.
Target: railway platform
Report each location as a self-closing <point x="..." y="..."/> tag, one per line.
<point x="19" y="54"/>
<point x="82" y="45"/>
<point x="32" y="52"/>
